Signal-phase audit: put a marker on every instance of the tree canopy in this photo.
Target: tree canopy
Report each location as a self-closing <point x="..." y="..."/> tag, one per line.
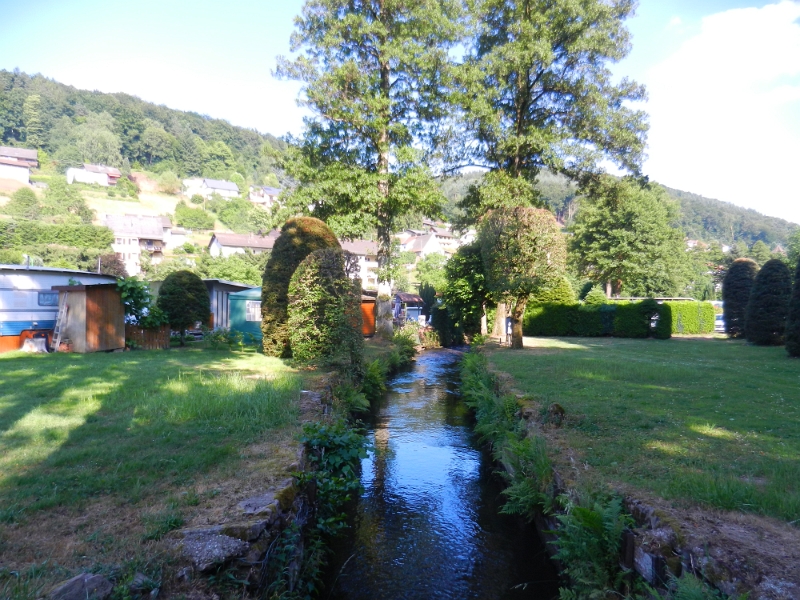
<point x="184" y="299"/>
<point x="768" y="305"/>
<point x="736" y="289"/>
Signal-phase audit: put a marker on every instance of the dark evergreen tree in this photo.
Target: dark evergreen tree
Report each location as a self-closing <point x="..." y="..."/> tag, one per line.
<point x="765" y="321"/>
<point x="793" y="321"/>
<point x="184" y="298"/>
<point x="736" y="293"/>
<point x="299" y="237"/>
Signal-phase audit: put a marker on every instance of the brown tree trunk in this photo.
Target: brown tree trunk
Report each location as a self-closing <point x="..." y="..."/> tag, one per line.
<point x="500" y="322"/>
<point x="484" y="324"/>
<point x="516" y="323"/>
<point x="384" y="305"/>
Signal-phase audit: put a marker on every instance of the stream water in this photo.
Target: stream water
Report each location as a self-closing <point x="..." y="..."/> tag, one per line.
<point x="427" y="525"/>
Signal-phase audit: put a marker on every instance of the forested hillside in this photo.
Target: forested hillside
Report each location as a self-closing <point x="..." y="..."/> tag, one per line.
<point x="701" y="218"/>
<point x="74" y="126"/>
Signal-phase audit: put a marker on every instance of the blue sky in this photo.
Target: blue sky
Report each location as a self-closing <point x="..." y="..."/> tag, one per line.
<point x="723" y="76"/>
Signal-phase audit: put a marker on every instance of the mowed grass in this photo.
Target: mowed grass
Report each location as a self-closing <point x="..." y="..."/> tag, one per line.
<point x="707" y="422"/>
<point x="130" y="425"/>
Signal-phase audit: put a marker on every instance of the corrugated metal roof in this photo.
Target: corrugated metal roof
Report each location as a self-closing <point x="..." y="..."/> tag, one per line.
<point x="251" y="294"/>
<point x="110" y="278"/>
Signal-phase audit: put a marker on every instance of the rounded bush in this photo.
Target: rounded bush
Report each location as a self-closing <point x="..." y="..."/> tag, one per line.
<point x="184" y="299"/>
<point x="765" y="320"/>
<point x="793" y="321"/>
<point x="560" y="292"/>
<point x="324" y="311"/>
<point x="596" y="296"/>
<point x="736" y="288"/>
<point x="299" y="237"/>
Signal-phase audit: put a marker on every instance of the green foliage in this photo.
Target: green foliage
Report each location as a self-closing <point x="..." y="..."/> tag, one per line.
<point x="689" y="587"/>
<point x="350" y="399"/>
<point x="169" y="183"/>
<point x="760" y="253"/>
<point x="634" y="320"/>
<point x="31" y="116"/>
<point x="428" y="294"/>
<point x="192" y="218"/>
<point x="530" y="477"/>
<point x="139" y="306"/>
<point x="197" y="199"/>
<point x="184" y="299"/>
<point x="244" y="267"/>
<point x="465" y="293"/>
<point x="324" y="312"/>
<point x="589" y="542"/>
<point x="624" y="234"/>
<point x="11" y="257"/>
<point x="23" y="205"/>
<point x="620" y="319"/>
<point x="558" y="292"/>
<point x="24" y="234"/>
<point x="405" y="339"/>
<point x="242" y="216"/>
<point x="523" y="252"/>
<point x="691" y="317"/>
<point x="736" y="294"/>
<point x="373" y="385"/>
<point x="596" y="296"/>
<point x="431" y="271"/>
<point x="793" y="319"/>
<point x="448" y="331"/>
<point x="299" y="237"/>
<point x="64" y="204"/>
<point x="768" y="306"/>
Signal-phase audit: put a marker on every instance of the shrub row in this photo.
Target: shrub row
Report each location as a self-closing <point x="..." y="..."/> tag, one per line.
<point x="15" y="234"/>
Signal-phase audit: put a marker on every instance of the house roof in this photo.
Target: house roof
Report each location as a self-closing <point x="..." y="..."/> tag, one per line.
<point x="271" y="191"/>
<point x="13" y="163"/>
<point x="102" y="169"/>
<point x="221" y="184"/>
<point x="24" y="153"/>
<point x="166" y="222"/>
<point x="246" y="240"/>
<point x="419" y="242"/>
<point x="408" y="298"/>
<point x="149" y="228"/>
<point x="360" y="247"/>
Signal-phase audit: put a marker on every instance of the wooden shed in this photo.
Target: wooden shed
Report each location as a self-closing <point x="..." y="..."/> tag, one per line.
<point x="95" y="317"/>
<point x="368" y="315"/>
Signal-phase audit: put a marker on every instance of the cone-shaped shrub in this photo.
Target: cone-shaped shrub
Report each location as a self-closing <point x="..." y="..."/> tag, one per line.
<point x="765" y="322"/>
<point x="736" y="293"/>
<point x="325" y="312"/>
<point x="299" y="238"/>
<point x="793" y="322"/>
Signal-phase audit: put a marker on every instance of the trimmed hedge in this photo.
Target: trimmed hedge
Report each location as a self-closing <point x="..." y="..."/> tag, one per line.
<point x="736" y="294"/>
<point x="692" y="317"/>
<point x="793" y="320"/>
<point x="768" y="307"/>
<point x="17" y="234"/>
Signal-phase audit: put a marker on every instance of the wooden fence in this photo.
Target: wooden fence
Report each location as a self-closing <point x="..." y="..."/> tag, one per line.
<point x="149" y="339"/>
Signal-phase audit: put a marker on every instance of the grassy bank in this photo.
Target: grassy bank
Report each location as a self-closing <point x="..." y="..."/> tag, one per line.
<point x="103" y="454"/>
<point x="700" y="422"/>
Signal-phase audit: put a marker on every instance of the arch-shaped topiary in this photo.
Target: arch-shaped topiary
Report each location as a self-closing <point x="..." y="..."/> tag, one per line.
<point x="793" y="320"/>
<point x="765" y="322"/>
<point x="324" y="321"/>
<point x="299" y="237"/>
<point x="184" y="299"/>
<point x="736" y="288"/>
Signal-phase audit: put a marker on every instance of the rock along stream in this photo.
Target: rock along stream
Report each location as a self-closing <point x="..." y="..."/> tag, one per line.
<point x="427" y="525"/>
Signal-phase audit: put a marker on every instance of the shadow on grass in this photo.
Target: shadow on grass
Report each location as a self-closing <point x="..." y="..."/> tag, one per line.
<point x="75" y="427"/>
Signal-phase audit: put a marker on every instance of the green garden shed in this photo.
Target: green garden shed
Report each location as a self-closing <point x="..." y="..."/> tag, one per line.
<point x="245" y="312"/>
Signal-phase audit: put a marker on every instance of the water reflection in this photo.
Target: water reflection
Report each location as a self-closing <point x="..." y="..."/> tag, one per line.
<point x="427" y="525"/>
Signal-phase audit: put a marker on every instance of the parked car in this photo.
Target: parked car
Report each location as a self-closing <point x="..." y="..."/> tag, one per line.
<point x="719" y="324"/>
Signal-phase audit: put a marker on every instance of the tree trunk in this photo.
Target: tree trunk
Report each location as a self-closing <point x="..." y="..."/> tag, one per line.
<point x="516" y="323"/>
<point x="383" y="305"/>
<point x="484" y="324"/>
<point x="608" y="289"/>
<point x="183" y="334"/>
<point x="500" y="322"/>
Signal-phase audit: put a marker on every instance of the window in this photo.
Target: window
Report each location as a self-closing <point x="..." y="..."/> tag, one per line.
<point x="48" y="298"/>
<point x="252" y="310"/>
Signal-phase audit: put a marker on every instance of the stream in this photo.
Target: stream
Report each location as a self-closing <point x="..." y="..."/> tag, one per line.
<point x="428" y="523"/>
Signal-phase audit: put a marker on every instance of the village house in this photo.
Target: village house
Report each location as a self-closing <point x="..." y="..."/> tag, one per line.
<point x="135" y="235"/>
<point x="226" y="244"/>
<point x="94" y="174"/>
<point x="207" y="187"/>
<point x="422" y="245"/>
<point x="367" y="254"/>
<point x="265" y="197"/>
<point x="16" y="163"/>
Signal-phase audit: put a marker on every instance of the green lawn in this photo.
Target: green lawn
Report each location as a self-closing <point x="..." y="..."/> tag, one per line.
<point x="130" y="425"/>
<point x="700" y="421"/>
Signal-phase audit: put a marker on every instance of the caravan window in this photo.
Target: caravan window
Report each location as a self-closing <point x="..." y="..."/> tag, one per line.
<point x="252" y="310"/>
<point x="48" y="298"/>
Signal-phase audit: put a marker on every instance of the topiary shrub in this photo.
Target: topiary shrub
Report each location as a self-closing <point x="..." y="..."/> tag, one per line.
<point x="596" y="296"/>
<point x="184" y="299"/>
<point x="324" y="312"/>
<point x="299" y="237"/>
<point x="765" y="320"/>
<point x="560" y="292"/>
<point x="735" y="294"/>
<point x="793" y="320"/>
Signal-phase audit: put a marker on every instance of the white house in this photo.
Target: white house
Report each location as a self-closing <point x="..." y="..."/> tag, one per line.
<point x="29" y="305"/>
<point x="16" y="163"/>
<point x="11" y="169"/>
<point x="422" y="245"/>
<point x="207" y="187"/>
<point x="264" y="196"/>
<point x="226" y="244"/>
<point x="94" y="174"/>
<point x="135" y="235"/>
<point x="367" y="255"/>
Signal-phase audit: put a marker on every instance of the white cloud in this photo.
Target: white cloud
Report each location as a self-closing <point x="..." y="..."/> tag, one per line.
<point x="725" y="111"/>
<point x="675" y="22"/>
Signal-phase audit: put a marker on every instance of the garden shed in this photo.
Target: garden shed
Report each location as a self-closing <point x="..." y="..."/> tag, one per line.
<point x="407" y="307"/>
<point x="368" y="315"/>
<point x="95" y="317"/>
<point x="245" y="312"/>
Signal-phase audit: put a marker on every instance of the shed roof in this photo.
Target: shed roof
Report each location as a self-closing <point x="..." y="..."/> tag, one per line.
<point x="251" y="294"/>
<point x="25" y="153"/>
<point x="54" y="270"/>
<point x="226" y="282"/>
<point x="102" y="169"/>
<point x="141" y="226"/>
<point x="13" y="163"/>
<point x="407" y="298"/>
<point x="221" y="184"/>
